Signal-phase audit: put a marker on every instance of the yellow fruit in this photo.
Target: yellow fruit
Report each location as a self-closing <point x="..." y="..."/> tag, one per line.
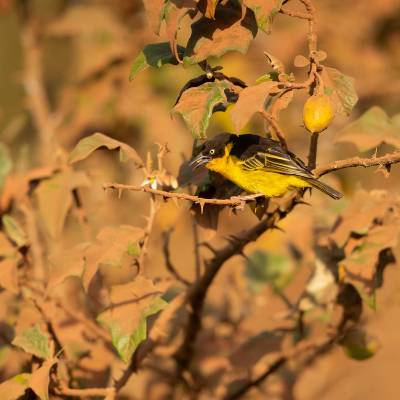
<point x="318" y="113"/>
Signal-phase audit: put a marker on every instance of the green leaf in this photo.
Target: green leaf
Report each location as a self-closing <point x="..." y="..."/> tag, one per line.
<point x="340" y="88"/>
<point x="34" y="341"/>
<point x="196" y="105"/>
<point x="5" y="163"/>
<point x="154" y="55"/>
<point x="373" y="128"/>
<point x="265" y="11"/>
<point x="14" y="388"/>
<point x="359" y="345"/>
<point x="262" y="268"/>
<point x="125" y="319"/>
<point x="14" y="230"/>
<point x="88" y="145"/>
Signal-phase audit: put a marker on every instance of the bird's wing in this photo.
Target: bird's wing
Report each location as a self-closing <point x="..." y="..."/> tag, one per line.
<point x="273" y="158"/>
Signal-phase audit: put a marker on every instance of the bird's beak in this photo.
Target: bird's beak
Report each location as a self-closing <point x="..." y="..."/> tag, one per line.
<point x="199" y="160"/>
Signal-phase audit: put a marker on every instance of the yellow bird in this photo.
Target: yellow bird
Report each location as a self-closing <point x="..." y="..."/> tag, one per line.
<point x="257" y="165"/>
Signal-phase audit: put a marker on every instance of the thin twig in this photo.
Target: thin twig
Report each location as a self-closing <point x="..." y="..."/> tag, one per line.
<point x="167" y="257"/>
<point x="383" y="161"/>
<point x="234" y="201"/>
<point x="196" y="243"/>
<point x="64" y="390"/>
<point x="312" y="153"/>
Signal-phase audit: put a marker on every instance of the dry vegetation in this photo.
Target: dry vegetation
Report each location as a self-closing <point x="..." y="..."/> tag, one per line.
<point x="119" y="282"/>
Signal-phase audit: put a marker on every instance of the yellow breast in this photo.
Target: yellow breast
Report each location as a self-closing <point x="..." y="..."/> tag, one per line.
<point x="269" y="184"/>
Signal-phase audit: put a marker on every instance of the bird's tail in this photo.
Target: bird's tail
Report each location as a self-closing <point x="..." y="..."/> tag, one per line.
<point x="324" y="188"/>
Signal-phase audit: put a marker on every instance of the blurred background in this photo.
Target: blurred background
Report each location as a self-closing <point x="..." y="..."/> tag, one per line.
<point x="82" y="58"/>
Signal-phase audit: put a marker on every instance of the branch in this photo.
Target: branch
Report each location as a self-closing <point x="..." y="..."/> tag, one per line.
<point x="234" y="201"/>
<point x="198" y="292"/>
<point x="383" y="161"/>
<point x="168" y="262"/>
<point x="64" y="390"/>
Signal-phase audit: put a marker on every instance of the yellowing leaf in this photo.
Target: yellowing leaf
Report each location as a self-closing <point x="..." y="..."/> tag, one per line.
<point x="34" y="341"/>
<point x="340" y="88"/>
<point x="5" y="163"/>
<point x="196" y="105"/>
<point x="14" y="230"/>
<point x="113" y="244"/>
<point x="265" y="11"/>
<point x="126" y="317"/>
<point x="359" y="345"/>
<point x="373" y="128"/>
<point x="55" y="199"/>
<point x="88" y="145"/>
<point x="14" y="388"/>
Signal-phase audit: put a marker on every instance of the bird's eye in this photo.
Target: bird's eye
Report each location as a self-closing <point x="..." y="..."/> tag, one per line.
<point x="212" y="152"/>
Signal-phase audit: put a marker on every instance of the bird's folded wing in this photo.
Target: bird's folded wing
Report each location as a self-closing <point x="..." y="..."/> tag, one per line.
<point x="276" y="161"/>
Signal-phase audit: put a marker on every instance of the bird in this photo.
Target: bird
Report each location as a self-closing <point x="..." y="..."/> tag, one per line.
<point x="258" y="165"/>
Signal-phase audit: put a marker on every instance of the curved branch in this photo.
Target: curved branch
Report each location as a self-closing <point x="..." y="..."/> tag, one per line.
<point x="383" y="161"/>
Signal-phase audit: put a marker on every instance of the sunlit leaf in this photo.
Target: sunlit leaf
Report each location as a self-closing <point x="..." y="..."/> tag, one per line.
<point x="40" y="379"/>
<point x="196" y="105"/>
<point x="113" y="245"/>
<point x="154" y="55"/>
<point x="229" y="31"/>
<point x="126" y="317"/>
<point x="34" y="341"/>
<point x="14" y="230"/>
<point x="88" y="145"/>
<point x="373" y="128"/>
<point x="5" y="163"/>
<point x="14" y="388"/>
<point x="265" y="11"/>
<point x="340" y="88"/>
<point x="55" y="198"/>
<point x="251" y="100"/>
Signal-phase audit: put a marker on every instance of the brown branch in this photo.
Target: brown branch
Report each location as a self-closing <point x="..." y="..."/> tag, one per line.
<point x="234" y="201"/>
<point x="383" y="161"/>
<point x="319" y="347"/>
<point x="167" y="257"/>
<point x="64" y="390"/>
<point x="312" y="152"/>
<point x="198" y="292"/>
<point x="295" y="14"/>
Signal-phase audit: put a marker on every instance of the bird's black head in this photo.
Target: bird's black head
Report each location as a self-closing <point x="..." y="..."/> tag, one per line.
<point x="213" y="148"/>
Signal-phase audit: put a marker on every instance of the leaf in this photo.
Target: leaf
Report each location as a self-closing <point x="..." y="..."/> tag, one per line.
<point x="34" y="341"/>
<point x="341" y="89"/>
<point x="55" y="199"/>
<point x="154" y="10"/>
<point x="251" y="100"/>
<point x="9" y="275"/>
<point x="5" y="163"/>
<point x="112" y="246"/>
<point x="14" y="230"/>
<point x="373" y="128"/>
<point x="262" y="268"/>
<point x="126" y="317"/>
<point x="210" y="9"/>
<point x="40" y="379"/>
<point x="196" y="105"/>
<point x="61" y="267"/>
<point x="265" y="11"/>
<point x="88" y="145"/>
<point x="154" y="55"/>
<point x="229" y="31"/>
<point x="301" y="61"/>
<point x="14" y="388"/>
<point x="358" y="344"/>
